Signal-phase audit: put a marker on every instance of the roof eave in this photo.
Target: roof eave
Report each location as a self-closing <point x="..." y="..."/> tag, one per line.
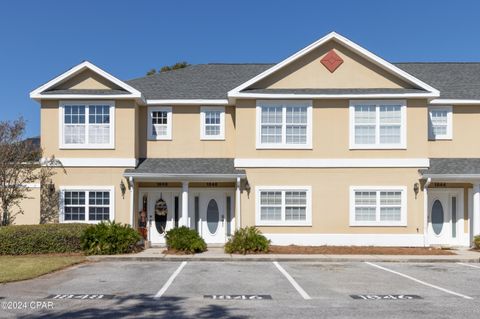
<point x="428" y="95"/>
<point x="183" y="177"/>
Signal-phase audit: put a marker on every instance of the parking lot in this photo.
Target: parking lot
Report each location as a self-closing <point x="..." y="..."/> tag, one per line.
<point x="249" y="289"/>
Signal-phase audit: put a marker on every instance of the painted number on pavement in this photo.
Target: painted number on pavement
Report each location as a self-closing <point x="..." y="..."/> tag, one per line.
<point x="80" y="297"/>
<point x="385" y="297"/>
<point x="238" y="297"/>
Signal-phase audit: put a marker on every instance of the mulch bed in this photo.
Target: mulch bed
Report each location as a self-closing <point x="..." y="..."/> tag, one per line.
<point x="358" y="250"/>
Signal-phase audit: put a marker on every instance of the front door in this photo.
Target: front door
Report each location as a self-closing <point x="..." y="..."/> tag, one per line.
<point x="212" y="217"/>
<point x="445" y="213"/>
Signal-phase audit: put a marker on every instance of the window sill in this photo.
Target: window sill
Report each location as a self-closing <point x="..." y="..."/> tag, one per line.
<point x="284" y="147"/>
<point x="87" y="147"/>
<point x="153" y="139"/>
<point x="212" y="139"/>
<point x="378" y="147"/>
<point x="446" y="138"/>
<point x="263" y="224"/>
<point x="402" y="224"/>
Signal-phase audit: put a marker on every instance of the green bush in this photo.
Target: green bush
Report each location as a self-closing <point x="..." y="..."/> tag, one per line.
<point x="185" y="240"/>
<point x="40" y="239"/>
<point x="109" y="238"/>
<point x="247" y="240"/>
<point x="476" y="241"/>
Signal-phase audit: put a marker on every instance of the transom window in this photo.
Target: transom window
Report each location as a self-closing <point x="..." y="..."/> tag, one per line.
<point x="87" y="205"/>
<point x="87" y="125"/>
<point x="377" y="124"/>
<point x="378" y="207"/>
<point x="160" y="123"/>
<point x="212" y="126"/>
<point x="284" y="124"/>
<point x="440" y="123"/>
<point x="283" y="206"/>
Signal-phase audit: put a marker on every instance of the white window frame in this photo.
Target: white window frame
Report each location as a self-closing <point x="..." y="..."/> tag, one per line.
<point x="283" y="145"/>
<point x="283" y="222"/>
<point x="449" y="134"/>
<point x="86" y="189"/>
<point x="86" y="145"/>
<point x="378" y="222"/>
<point x="203" y="135"/>
<point x="150" y="135"/>
<point x="377" y="145"/>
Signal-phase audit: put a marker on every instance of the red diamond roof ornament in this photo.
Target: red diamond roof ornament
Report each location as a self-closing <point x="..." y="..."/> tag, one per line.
<point x="331" y="61"/>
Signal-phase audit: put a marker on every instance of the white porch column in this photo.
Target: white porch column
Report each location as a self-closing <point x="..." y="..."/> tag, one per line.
<point x="238" y="219"/>
<point x="476" y="210"/>
<point x="184" y="217"/>
<point x="132" y="203"/>
<point x="425" y="212"/>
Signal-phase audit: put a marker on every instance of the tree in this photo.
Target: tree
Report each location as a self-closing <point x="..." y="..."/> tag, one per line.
<point x="49" y="196"/>
<point x="176" y="66"/>
<point x="19" y="166"/>
<point x="151" y="72"/>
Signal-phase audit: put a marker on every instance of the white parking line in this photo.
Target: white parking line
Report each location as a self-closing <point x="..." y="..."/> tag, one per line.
<point x="419" y="281"/>
<point x="292" y="281"/>
<point x="473" y="266"/>
<point x="170" y="280"/>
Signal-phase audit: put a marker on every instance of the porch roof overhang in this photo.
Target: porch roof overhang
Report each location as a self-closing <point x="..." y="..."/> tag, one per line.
<point x="185" y="169"/>
<point x="453" y="170"/>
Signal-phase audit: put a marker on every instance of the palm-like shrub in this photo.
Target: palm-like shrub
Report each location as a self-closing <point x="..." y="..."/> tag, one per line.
<point x="109" y="238"/>
<point x="247" y="240"/>
<point x="184" y="239"/>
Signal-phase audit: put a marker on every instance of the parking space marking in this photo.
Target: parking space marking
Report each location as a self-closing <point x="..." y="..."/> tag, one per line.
<point x="170" y="280"/>
<point x="292" y="281"/>
<point x="468" y="265"/>
<point x="420" y="281"/>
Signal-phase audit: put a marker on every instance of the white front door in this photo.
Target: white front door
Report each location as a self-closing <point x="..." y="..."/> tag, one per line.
<point x="212" y="217"/>
<point x="445" y="217"/>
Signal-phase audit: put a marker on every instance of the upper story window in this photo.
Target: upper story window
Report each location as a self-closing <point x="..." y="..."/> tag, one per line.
<point x="284" y="124"/>
<point x="440" y="123"/>
<point x="87" y="125"/>
<point x="160" y="123"/>
<point x="378" y="124"/>
<point x="212" y="123"/>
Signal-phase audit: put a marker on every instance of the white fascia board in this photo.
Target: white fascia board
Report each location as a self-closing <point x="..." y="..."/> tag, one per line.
<point x="183" y="177"/>
<point x="331" y="163"/>
<point x="188" y="102"/>
<point x="351" y="45"/>
<point x="332" y="96"/>
<point x="454" y="102"/>
<point x="452" y="177"/>
<point x="97" y="162"/>
<point x="36" y="94"/>
<point x="86" y="96"/>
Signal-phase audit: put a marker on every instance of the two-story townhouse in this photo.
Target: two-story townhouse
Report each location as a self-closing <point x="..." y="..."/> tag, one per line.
<point x="331" y="146"/>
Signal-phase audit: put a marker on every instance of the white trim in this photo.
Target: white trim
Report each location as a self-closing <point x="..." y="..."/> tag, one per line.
<point x="98" y="162"/>
<point x="331" y="162"/>
<point x="283" y="144"/>
<point x="378" y="222"/>
<point x="283" y="222"/>
<point x="368" y="239"/>
<point x="86" y="96"/>
<point x="448" y="135"/>
<point x="349" y="44"/>
<point x="454" y="177"/>
<point x="63" y="189"/>
<point x="454" y="101"/>
<point x="188" y="102"/>
<point x="167" y="109"/>
<point x="86" y="145"/>
<point x="333" y="96"/>
<point x="131" y="186"/>
<point x="238" y="211"/>
<point x="203" y="135"/>
<point x="377" y="144"/>
<point x="36" y="94"/>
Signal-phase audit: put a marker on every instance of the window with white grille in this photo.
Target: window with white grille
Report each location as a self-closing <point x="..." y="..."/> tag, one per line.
<point x="160" y="123"/>
<point x="212" y="123"/>
<point x="440" y="123"/>
<point x="86" y="205"/>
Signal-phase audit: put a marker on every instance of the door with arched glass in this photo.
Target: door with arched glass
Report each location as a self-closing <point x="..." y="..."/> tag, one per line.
<point x="445" y="217"/>
<point x="212" y="217"/>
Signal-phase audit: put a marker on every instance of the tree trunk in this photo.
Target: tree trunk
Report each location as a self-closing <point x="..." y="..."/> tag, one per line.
<point x="5" y="215"/>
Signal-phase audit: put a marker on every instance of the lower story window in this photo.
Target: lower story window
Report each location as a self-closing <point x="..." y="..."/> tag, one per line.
<point x="385" y="206"/>
<point x="84" y="205"/>
<point x="283" y="206"/>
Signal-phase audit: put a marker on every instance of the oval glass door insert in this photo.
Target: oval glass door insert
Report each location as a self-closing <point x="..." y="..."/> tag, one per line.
<point x="437" y="217"/>
<point x="212" y="216"/>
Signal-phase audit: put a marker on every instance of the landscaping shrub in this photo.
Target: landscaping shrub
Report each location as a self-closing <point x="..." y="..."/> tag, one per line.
<point x="247" y="240"/>
<point x="40" y="239"/>
<point x="185" y="240"/>
<point x="109" y="238"/>
<point x="476" y="241"/>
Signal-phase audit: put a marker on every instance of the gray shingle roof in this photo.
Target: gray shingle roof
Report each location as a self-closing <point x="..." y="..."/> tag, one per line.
<point x="186" y="166"/>
<point x="84" y="91"/>
<point x="453" y="166"/>
<point x="333" y="91"/>
<point x="213" y="81"/>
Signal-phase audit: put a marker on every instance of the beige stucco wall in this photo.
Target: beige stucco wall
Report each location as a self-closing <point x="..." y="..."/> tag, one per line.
<point x="308" y="72"/>
<point x="186" y="135"/>
<point x="125" y="129"/>
<point x="87" y="80"/>
<point x="331" y="131"/>
<point x="30" y="207"/>
<point x="331" y="197"/>
<point x="466" y="129"/>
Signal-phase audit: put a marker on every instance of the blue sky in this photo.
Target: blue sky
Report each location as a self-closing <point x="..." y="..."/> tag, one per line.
<point x="41" y="39"/>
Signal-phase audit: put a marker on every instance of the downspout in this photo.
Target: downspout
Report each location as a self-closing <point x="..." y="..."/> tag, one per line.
<point x="425" y="212"/>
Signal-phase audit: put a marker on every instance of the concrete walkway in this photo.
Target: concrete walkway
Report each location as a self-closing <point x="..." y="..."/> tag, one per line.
<point x="217" y="254"/>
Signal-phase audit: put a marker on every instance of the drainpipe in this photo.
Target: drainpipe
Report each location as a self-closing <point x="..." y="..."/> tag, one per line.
<point x="425" y="212"/>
